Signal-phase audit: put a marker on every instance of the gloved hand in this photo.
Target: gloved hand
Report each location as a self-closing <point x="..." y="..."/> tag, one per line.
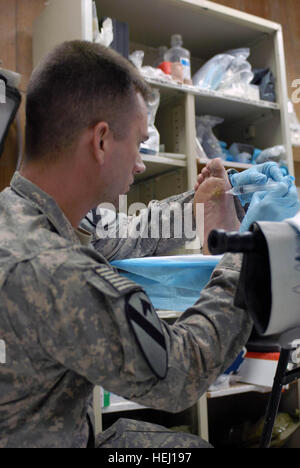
<point x="258" y="174"/>
<point x="276" y="205"/>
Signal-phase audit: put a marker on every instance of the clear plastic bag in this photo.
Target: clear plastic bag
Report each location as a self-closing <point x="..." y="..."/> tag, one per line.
<point x="137" y="58"/>
<point x="151" y="146"/>
<point x="224" y="69"/>
<point x="210" y="75"/>
<point x="206" y="137"/>
<point x="275" y="153"/>
<point x="238" y="76"/>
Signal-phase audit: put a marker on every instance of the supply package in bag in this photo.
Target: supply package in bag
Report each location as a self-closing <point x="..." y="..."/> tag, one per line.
<point x="8" y="110"/>
<point x="172" y="283"/>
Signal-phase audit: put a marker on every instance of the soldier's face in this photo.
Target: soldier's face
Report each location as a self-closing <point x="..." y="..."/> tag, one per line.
<point x="125" y="160"/>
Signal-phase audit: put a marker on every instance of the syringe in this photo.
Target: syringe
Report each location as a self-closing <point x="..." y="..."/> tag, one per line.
<point x="251" y="188"/>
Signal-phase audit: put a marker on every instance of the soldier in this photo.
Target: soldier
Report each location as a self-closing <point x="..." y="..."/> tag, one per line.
<point x="68" y="320"/>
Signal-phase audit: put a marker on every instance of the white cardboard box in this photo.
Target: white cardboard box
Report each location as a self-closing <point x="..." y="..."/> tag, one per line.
<point x="259" y="368"/>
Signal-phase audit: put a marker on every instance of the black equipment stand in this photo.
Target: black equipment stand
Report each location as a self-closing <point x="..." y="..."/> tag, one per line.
<point x="282" y="377"/>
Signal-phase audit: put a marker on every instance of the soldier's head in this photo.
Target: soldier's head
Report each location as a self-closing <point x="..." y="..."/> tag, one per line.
<point x="83" y="90"/>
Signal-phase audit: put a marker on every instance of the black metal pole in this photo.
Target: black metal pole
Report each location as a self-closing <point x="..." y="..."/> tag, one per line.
<point x="274" y="399"/>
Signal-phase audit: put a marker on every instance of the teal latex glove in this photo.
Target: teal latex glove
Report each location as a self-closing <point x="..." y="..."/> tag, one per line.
<point x="258" y="174"/>
<point x="276" y="205"/>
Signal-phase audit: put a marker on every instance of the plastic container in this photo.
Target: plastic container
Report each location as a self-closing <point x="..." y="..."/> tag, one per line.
<point x="180" y="56"/>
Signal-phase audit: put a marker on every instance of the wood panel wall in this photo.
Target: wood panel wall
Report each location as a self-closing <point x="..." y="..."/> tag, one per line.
<point x="16" y="20"/>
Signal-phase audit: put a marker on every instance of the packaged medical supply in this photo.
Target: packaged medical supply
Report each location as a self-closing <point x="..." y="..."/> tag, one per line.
<point x="2" y="90"/>
<point x="137" y="58"/>
<point x="206" y="137"/>
<point x="180" y="59"/>
<point x="275" y="153"/>
<point x="106" y="35"/>
<point x="210" y="75"/>
<point x="238" y="76"/>
<point x="96" y="32"/>
<point x="237" y="148"/>
<point x="172" y="283"/>
<point x="229" y="72"/>
<point x="151" y="146"/>
<point x="264" y="79"/>
<point x="255" y="155"/>
<point x="9" y="105"/>
<point x="244" y="158"/>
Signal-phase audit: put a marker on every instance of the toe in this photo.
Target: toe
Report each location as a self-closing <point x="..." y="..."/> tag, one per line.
<point x="216" y="168"/>
<point x="205" y="172"/>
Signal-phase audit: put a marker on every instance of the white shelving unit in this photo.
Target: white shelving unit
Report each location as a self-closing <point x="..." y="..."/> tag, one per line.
<point x="207" y="29"/>
<point x="159" y="164"/>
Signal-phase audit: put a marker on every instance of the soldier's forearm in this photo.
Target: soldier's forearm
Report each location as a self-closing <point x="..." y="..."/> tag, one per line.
<point x="160" y="228"/>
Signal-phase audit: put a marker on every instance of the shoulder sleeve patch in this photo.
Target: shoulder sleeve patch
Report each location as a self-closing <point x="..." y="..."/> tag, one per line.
<point x="148" y="332"/>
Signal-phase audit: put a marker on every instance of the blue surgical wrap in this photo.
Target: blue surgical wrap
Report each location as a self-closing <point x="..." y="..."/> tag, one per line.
<point x="172" y="283"/>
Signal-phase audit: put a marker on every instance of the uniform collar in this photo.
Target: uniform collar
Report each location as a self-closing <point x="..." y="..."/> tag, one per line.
<point x="46" y="204"/>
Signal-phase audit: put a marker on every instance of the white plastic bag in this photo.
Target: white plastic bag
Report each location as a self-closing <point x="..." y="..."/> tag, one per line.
<point x="151" y="146"/>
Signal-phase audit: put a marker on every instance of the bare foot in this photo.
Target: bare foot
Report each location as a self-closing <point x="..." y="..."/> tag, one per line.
<point x="219" y="208"/>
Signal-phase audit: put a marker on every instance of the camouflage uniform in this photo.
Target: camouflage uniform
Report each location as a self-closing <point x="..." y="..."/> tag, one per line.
<point x="144" y="245"/>
<point x="63" y="322"/>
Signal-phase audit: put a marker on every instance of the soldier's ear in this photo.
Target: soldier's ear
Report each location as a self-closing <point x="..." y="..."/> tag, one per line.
<point x="100" y="141"/>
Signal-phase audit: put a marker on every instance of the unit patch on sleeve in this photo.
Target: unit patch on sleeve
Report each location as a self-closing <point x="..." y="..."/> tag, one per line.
<point x="148" y="332"/>
<point x="121" y="284"/>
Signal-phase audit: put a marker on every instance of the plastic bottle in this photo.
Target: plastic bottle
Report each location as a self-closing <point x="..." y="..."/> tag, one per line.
<point x="178" y="55"/>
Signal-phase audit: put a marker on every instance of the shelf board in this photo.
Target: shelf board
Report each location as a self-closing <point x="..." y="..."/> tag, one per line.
<point x="231" y="108"/>
<point x="234" y="165"/>
<point x="157" y="165"/>
<point x="168" y="89"/>
<point x="236" y="389"/>
<point x="209" y="102"/>
<point x="122" y="405"/>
